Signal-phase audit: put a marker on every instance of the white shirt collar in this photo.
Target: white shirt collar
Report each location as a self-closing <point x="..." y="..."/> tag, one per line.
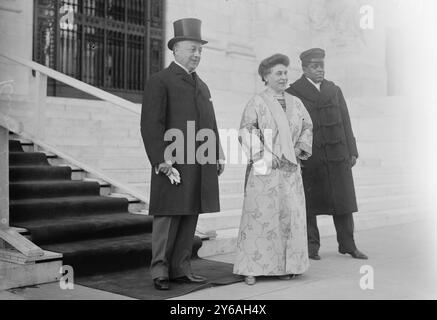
<point x="186" y="70"/>
<point x="317" y="85"/>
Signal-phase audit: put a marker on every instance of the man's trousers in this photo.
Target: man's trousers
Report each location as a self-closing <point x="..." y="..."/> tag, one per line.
<point x="344" y="225"/>
<point x="172" y="245"/>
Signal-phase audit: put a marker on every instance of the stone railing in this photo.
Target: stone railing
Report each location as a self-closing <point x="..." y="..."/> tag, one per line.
<point x="9" y="237"/>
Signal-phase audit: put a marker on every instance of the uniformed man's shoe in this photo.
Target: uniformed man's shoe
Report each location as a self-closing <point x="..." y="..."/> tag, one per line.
<point x="315" y="256"/>
<point x="357" y="254"/>
<point x="161" y="284"/>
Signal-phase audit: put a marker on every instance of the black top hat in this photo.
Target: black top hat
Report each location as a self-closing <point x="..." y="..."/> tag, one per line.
<point x="186" y="29"/>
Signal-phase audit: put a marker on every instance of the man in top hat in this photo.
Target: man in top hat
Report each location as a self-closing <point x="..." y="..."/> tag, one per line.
<point x="177" y="99"/>
<point x="327" y="175"/>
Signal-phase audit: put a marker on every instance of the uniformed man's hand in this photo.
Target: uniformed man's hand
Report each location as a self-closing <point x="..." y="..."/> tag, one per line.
<point x="165" y="168"/>
<point x="353" y="161"/>
<point x="220" y="168"/>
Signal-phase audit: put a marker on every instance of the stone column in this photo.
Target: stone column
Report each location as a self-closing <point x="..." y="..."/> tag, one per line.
<point x="4" y="178"/>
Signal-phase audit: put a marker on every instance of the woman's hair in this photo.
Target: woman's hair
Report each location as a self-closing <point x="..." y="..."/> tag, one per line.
<point x="267" y="64"/>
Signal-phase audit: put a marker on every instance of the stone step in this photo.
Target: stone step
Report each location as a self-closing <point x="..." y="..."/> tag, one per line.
<point x="369" y="191"/>
<point x="109" y="151"/>
<point x="226" y="240"/>
<point x="77" y="174"/>
<point x="384" y="203"/>
<point x="230" y="217"/>
<point x="27" y="145"/>
<point x="129" y="176"/>
<point x="133" y="163"/>
<point x="232" y="201"/>
<point x="45" y="270"/>
<point x="365" y="186"/>
<point x="105" y="188"/>
<point x="362" y="175"/>
<point x="369" y="197"/>
<point x="362" y="191"/>
<point x="220" y="221"/>
<point x="381" y="179"/>
<point x="135" y="205"/>
<point x="89" y="139"/>
<point x="74" y="130"/>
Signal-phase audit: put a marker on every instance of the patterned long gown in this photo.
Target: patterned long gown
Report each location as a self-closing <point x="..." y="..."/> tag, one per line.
<point x="272" y="237"/>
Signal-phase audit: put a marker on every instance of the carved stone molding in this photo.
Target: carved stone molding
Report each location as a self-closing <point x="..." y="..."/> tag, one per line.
<point x="336" y="23"/>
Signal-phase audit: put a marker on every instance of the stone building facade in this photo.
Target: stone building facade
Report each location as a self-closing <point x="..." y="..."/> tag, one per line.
<point x="370" y="63"/>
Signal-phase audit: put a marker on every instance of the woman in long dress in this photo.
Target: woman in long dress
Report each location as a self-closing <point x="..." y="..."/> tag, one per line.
<point x="275" y="133"/>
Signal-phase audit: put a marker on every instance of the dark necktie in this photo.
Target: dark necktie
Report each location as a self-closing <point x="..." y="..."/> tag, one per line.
<point x="194" y="76"/>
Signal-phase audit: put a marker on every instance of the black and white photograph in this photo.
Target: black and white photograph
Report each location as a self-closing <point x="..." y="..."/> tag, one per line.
<point x="218" y="155"/>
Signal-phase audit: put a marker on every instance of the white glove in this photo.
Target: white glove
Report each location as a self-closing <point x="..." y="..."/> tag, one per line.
<point x="175" y="177"/>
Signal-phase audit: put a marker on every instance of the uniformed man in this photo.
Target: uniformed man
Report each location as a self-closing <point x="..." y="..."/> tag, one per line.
<point x="327" y="175"/>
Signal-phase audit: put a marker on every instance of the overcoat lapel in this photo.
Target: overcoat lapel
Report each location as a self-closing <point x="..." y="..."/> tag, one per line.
<point x="200" y="87"/>
<point x="178" y="71"/>
<point x="327" y="92"/>
<point x="305" y="89"/>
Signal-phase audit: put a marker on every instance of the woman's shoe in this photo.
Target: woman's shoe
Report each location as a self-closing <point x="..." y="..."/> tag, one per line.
<point x="250" y="280"/>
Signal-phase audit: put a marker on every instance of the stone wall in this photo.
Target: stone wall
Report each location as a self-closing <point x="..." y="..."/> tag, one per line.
<point x="242" y="33"/>
<point x="16" y="32"/>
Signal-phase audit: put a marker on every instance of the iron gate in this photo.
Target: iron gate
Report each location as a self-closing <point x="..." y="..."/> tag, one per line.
<point x="111" y="44"/>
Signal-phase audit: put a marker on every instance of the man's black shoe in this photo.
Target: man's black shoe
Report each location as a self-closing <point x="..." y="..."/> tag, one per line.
<point x="191" y="279"/>
<point x="357" y="254"/>
<point x="161" y="284"/>
<point x="315" y="256"/>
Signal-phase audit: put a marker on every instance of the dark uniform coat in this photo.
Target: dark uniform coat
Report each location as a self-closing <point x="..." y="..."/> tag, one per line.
<point x="327" y="175"/>
<point x="172" y="98"/>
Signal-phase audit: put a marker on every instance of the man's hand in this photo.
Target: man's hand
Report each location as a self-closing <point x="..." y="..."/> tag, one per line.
<point x="165" y="168"/>
<point x="353" y="161"/>
<point x="220" y="168"/>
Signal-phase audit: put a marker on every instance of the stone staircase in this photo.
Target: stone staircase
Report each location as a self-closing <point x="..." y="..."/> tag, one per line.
<point x="65" y="210"/>
<point x="385" y="196"/>
<point x="78" y="175"/>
